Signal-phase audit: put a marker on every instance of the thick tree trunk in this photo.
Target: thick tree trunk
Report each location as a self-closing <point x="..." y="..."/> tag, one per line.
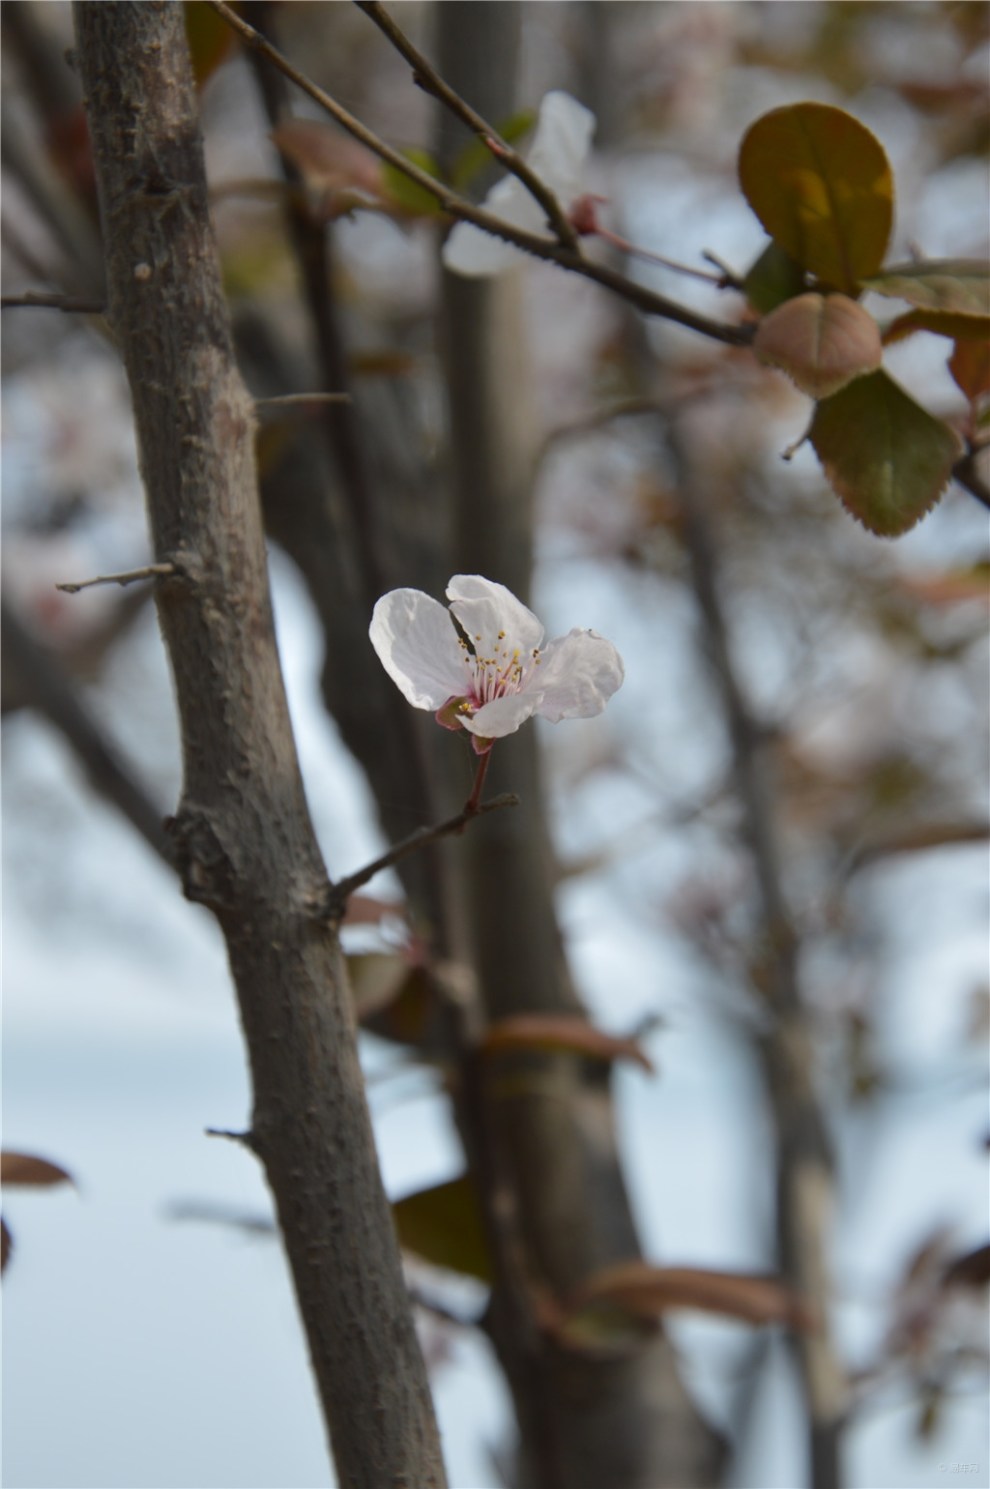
<point x="242" y="830"/>
<point x="585" y="1422"/>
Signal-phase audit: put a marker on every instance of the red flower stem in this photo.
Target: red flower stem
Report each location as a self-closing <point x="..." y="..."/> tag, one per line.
<point x="474" y="800"/>
<point x="657" y="258"/>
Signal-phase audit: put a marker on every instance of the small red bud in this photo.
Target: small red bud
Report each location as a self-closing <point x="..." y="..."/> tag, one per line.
<point x="583" y="215"/>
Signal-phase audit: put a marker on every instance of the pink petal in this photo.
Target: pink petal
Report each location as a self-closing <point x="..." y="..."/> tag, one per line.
<point x="486" y="609"/>
<point x="418" y="646"/>
<point x="502" y="716"/>
<point x="577" y="675"/>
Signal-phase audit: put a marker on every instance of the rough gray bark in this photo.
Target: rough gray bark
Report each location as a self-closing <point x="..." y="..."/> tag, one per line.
<point x="242" y="831"/>
<point x="585" y="1422"/>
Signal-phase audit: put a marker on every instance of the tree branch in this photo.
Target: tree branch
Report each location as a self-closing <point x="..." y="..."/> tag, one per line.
<point x="805" y="1177"/>
<point x="966" y="473"/>
<point x="42" y="683"/>
<point x="42" y="300"/>
<point x="242" y="833"/>
<point x="427" y="78"/>
<point x="457" y="206"/>
<point x="344" y="888"/>
<point x="127" y="576"/>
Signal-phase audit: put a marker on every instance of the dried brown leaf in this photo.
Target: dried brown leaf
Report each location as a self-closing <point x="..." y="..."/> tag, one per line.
<point x="561" y="1032"/>
<point x="26" y="1169"/>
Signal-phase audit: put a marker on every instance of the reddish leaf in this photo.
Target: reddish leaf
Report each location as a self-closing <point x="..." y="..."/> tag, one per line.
<point x="442" y="1225"/>
<point x="332" y="162"/>
<point x="970" y="368"/>
<point x="821" y="185"/>
<point x="821" y="341"/>
<point x="951" y="586"/>
<point x="645" y="1291"/>
<point x="939" y="323"/>
<point x="364" y="909"/>
<point x="957" y="286"/>
<point x="887" y="459"/>
<point x="561" y="1032"/>
<point x="24" y="1168"/>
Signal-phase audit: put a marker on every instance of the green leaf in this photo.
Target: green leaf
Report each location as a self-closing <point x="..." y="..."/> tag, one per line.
<point x="409" y="195"/>
<point x="443" y="1226"/>
<point x="772" y="279"/>
<point x="821" y="185"/>
<point x="472" y="160"/>
<point x="886" y="458"/>
<point x="955" y="286"/>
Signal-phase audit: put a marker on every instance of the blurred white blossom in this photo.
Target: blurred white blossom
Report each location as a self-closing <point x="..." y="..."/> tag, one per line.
<point x="559" y="151"/>
<point x="481" y="665"/>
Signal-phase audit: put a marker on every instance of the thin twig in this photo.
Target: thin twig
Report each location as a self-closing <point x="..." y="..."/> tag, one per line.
<point x="457" y="206"/>
<point x="649" y="257"/>
<point x="426" y="76"/>
<point x="964" y="471"/>
<point x="341" y="891"/>
<point x="43" y="300"/>
<point x="289" y="400"/>
<point x="129" y="576"/>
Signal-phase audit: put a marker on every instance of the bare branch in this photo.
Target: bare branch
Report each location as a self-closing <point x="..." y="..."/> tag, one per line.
<point x="42" y="300"/>
<point x="427" y="78"/>
<point x="418" y="839"/>
<point x="965" y="472"/>
<point x="294" y="400"/>
<point x="457" y="206"/>
<point x="128" y="576"/>
<point x="44" y="684"/>
<point x="803" y="1153"/>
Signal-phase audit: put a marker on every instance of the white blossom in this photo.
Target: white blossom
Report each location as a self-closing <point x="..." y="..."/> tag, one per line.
<point x="560" y="148"/>
<point x="481" y="665"/>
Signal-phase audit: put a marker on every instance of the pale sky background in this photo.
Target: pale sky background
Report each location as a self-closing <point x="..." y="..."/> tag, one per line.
<point x="141" y="1352"/>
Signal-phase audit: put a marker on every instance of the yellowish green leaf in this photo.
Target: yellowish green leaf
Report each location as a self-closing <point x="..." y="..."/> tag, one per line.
<point x="476" y="154"/>
<point x="821" y="185"/>
<point x="209" y="37"/>
<point x="442" y="1225"/>
<point x="821" y="341"/>
<point x="886" y="458"/>
<point x="959" y="286"/>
